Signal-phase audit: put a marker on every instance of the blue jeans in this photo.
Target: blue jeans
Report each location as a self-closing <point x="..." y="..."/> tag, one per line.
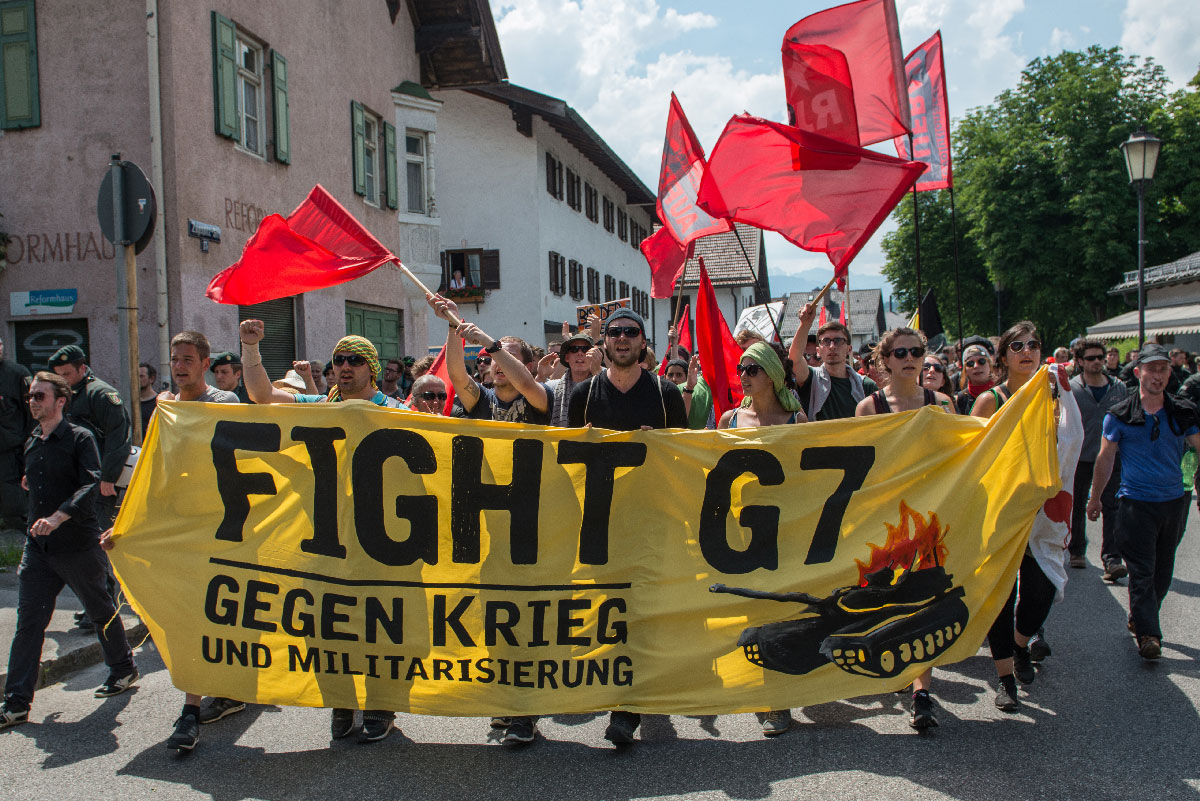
<point x="41" y="578"/>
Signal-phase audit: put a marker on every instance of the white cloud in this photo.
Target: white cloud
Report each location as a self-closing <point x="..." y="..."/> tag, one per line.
<point x="1171" y="37"/>
<point x="989" y="21"/>
<point x="1061" y="40"/>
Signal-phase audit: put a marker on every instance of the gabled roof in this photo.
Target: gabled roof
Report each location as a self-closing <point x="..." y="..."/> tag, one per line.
<point x="727" y="262"/>
<point x="456" y="42"/>
<point x="572" y="127"/>
<point x="865" y="312"/>
<point x="1176" y="272"/>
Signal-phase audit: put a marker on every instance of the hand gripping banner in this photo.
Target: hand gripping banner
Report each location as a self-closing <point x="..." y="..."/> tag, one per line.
<point x="347" y="555"/>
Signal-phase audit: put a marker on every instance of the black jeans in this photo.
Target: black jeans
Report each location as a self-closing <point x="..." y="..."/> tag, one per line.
<point x="1036" y="597"/>
<point x="41" y="578"/>
<point x="1108" y="507"/>
<point x="1148" y="533"/>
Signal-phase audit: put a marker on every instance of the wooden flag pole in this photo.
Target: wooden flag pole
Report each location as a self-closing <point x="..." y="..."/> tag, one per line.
<point x="455" y="319"/>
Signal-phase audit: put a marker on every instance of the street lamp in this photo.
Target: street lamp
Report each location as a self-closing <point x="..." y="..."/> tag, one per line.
<point x="1141" y="157"/>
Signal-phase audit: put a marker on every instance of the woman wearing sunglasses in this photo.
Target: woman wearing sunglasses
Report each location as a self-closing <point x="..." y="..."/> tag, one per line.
<point x="899" y="355"/>
<point x="768" y="399"/>
<point x="1018" y="357"/>
<point x="933" y="375"/>
<point x="976" y="377"/>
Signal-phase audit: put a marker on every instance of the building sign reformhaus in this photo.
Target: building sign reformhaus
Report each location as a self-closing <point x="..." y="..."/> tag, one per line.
<point x="42" y="301"/>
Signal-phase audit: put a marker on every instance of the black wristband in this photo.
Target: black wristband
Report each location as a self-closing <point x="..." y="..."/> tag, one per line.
<point x="495" y="346"/>
<point x="688" y="391"/>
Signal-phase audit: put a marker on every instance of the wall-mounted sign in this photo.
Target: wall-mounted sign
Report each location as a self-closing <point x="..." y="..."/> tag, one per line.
<point x="42" y="301"/>
<point x="202" y="230"/>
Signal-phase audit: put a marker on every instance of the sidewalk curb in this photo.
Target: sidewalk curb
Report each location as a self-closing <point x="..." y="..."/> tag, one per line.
<point x="52" y="671"/>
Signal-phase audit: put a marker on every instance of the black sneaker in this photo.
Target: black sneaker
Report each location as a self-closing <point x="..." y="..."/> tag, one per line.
<point x="115" y="685"/>
<point x="83" y="622"/>
<point x="501" y="723"/>
<point x="220" y="708"/>
<point x="1006" y="695"/>
<point x="377" y="724"/>
<point x="1023" y="665"/>
<point x="1039" y="649"/>
<point x="922" y="711"/>
<point x="1114" y="569"/>
<point x="341" y="723"/>
<point x="521" y="730"/>
<point x="11" y="716"/>
<point x="186" y="734"/>
<point x="621" y="726"/>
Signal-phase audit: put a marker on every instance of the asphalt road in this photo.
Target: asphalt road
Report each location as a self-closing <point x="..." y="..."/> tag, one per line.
<point x="1098" y="723"/>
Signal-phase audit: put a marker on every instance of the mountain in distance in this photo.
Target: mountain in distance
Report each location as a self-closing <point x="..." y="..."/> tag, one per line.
<point x="812" y="281"/>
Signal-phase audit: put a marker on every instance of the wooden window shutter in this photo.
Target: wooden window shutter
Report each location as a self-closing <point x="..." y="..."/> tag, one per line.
<point x="489" y="269"/>
<point x="445" y="272"/>
<point x="551" y="182"/>
<point x="359" y="147"/>
<point x="553" y="271"/>
<point x="225" y="97"/>
<point x="279" y="109"/>
<point x="389" y="165"/>
<point x="20" y="100"/>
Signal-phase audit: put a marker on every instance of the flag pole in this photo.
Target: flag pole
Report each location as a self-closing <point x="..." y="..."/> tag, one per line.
<point x="452" y="318"/>
<point x="957" y="287"/>
<point x="917" y="236"/>
<point x="754" y="275"/>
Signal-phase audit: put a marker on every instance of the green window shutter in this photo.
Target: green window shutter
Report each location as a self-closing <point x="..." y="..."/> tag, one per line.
<point x="225" y="98"/>
<point x="20" y="103"/>
<point x="279" y="109"/>
<point x="359" y="147"/>
<point x="389" y="164"/>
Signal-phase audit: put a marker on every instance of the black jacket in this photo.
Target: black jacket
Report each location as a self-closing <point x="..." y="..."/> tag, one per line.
<point x="1181" y="413"/>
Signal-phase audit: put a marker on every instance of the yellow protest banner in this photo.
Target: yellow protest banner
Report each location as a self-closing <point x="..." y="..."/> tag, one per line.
<point x="353" y="556"/>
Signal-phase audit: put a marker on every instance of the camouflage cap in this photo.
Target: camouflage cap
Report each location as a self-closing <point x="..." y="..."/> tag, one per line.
<point x="68" y="354"/>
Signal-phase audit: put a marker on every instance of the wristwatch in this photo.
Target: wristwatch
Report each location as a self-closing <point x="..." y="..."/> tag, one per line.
<point x="495" y="346"/>
<point x="688" y="391"/>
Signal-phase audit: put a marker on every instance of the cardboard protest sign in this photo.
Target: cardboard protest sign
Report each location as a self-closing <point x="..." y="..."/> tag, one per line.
<point x="601" y="310"/>
<point x="353" y="556"/>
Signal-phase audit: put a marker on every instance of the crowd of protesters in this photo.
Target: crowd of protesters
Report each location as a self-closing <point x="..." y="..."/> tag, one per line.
<point x="65" y="438"/>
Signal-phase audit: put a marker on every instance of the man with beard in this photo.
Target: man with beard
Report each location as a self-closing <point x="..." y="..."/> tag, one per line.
<point x="625" y="397"/>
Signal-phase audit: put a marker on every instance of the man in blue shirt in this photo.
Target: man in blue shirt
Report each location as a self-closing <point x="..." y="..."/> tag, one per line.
<point x="1150" y="430"/>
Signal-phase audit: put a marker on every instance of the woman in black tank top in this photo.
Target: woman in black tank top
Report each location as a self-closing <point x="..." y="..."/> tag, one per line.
<point x="899" y="354"/>
<point x="1018" y="357"/>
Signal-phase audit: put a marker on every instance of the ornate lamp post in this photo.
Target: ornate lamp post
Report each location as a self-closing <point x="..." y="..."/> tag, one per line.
<point x="1141" y="157"/>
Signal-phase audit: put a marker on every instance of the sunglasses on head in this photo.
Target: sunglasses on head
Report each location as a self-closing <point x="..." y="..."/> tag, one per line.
<point x="39" y="396"/>
<point x="1093" y="358"/>
<point x="576" y="349"/>
<point x="430" y="396"/>
<point x="628" y="331"/>
<point x="353" y="359"/>
<point x="974" y="362"/>
<point x="1017" y="347"/>
<point x="903" y="353"/>
<point x="749" y="369"/>
<point x="484" y="360"/>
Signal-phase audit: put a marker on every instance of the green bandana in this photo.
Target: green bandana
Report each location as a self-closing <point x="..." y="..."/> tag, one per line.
<point x="764" y="355"/>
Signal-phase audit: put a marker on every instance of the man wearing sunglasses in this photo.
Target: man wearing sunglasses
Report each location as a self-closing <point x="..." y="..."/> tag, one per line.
<point x="829" y="390"/>
<point x="1149" y="430"/>
<point x="429" y="394"/>
<point x="1096" y="393"/>
<point x="582" y="359"/>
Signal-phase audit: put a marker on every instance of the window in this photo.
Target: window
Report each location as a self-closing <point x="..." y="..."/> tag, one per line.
<point x="470" y="269"/>
<point x="249" y="82"/>
<point x="371" y="157"/>
<point x="414" y="156"/>
<point x="636" y="234"/>
<point x="610" y="288"/>
<point x="374" y="156"/>
<point x="609" y="208"/>
<point x="558" y="273"/>
<point x="240" y="87"/>
<point x="20" y="101"/>
<point x="593" y="285"/>
<point x="622" y="225"/>
<point x="574" y="196"/>
<point x="576" y="272"/>
<point x="623" y="290"/>
<point x="592" y="201"/>
<point x="554" y="177"/>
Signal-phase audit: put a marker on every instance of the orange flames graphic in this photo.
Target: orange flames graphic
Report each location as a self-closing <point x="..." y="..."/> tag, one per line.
<point x="924" y="546"/>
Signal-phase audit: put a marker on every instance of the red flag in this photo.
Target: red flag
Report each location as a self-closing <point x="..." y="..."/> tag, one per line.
<point x="867" y="34"/>
<point x="719" y="353"/>
<point x="666" y="259"/>
<point x="820" y="96"/>
<point x="842" y="312"/>
<point x="684" y="339"/>
<point x="319" y="245"/>
<point x="821" y="319"/>
<point x="821" y="195"/>
<point x="930" y="115"/>
<point x="438" y="368"/>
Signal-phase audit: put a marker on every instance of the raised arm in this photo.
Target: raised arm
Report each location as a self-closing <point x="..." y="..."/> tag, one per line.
<point x="456" y="363"/>
<point x="518" y="375"/>
<point x="800" y="368"/>
<point x="258" y="383"/>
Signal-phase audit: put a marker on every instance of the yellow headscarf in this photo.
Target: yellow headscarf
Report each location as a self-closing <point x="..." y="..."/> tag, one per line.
<point x="766" y="358"/>
<point x="360" y="346"/>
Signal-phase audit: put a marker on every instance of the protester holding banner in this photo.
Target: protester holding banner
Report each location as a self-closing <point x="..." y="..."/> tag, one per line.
<point x="897" y="354"/>
<point x="767" y="399"/>
<point x="1152" y="502"/>
<point x="830" y="390"/>
<point x="1019" y="357"/>
<point x="429" y="394"/>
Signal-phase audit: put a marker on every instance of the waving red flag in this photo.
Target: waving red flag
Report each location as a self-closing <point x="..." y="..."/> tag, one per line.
<point x="683" y="221"/>
<point x="930" y="115"/>
<point x="719" y="353"/>
<point x="319" y="245"/>
<point x="867" y="34"/>
<point x="820" y="194"/>
<point x="820" y="94"/>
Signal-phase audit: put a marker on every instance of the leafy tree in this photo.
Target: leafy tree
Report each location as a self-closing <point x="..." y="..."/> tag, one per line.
<point x="1044" y="197"/>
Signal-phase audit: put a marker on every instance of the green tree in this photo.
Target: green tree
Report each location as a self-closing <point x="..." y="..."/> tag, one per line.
<point x="1175" y="194"/>
<point x="1043" y="194"/>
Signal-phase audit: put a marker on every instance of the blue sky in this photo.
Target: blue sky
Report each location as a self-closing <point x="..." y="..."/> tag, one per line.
<point x="617" y="61"/>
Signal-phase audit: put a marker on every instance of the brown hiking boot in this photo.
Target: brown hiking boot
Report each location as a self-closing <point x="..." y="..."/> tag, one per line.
<point x="1149" y="647"/>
